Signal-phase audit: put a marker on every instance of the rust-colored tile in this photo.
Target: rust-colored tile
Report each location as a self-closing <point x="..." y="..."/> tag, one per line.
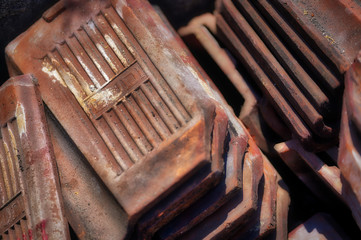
<point x="350" y="147"/>
<point x="31" y="205"/>
<point x="90" y="208"/>
<point x="329" y="174"/>
<point x="131" y="99"/>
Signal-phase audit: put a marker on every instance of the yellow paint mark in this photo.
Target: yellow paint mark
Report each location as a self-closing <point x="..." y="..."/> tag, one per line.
<point x="330" y="39"/>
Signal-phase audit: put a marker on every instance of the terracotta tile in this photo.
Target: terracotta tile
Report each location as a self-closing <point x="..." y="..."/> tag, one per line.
<point x="129" y="97"/>
<point x="31" y="202"/>
<point x="90" y="208"/>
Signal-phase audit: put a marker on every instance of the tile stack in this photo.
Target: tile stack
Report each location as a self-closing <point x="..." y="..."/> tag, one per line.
<point x="111" y="129"/>
<point x="289" y="54"/>
<point x="287" y="60"/>
<point x="145" y="146"/>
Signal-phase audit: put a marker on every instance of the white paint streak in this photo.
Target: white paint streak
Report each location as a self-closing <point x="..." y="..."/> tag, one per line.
<point x="13" y="142"/>
<point x="91" y="76"/>
<point x="101" y="70"/>
<point x="165" y="33"/>
<point x="204" y="85"/>
<point x="116" y="49"/>
<point x="105" y="55"/>
<point x="119" y="6"/>
<point x="52" y="73"/>
<point x="23" y="131"/>
<point x="357" y="158"/>
<point x="21" y="119"/>
<point x="123" y="38"/>
<point x="11" y="48"/>
<point x="168" y="53"/>
<point x="92" y="26"/>
<point x="106" y="96"/>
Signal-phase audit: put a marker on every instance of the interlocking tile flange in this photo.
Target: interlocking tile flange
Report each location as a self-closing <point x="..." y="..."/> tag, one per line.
<point x="298" y="75"/>
<point x="270" y="218"/>
<point x="238" y="210"/>
<point x="30" y="199"/>
<point x="193" y="188"/>
<point x="231" y="185"/>
<point x="272" y="212"/>
<point x="206" y="219"/>
<point x="124" y="90"/>
<point x="261" y="213"/>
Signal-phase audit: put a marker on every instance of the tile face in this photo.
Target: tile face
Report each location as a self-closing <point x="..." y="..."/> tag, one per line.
<point x="125" y="92"/>
<point x="31" y="205"/>
<point x="100" y="66"/>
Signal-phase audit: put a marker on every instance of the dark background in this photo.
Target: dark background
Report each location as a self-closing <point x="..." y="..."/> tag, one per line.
<point x="15" y="17"/>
